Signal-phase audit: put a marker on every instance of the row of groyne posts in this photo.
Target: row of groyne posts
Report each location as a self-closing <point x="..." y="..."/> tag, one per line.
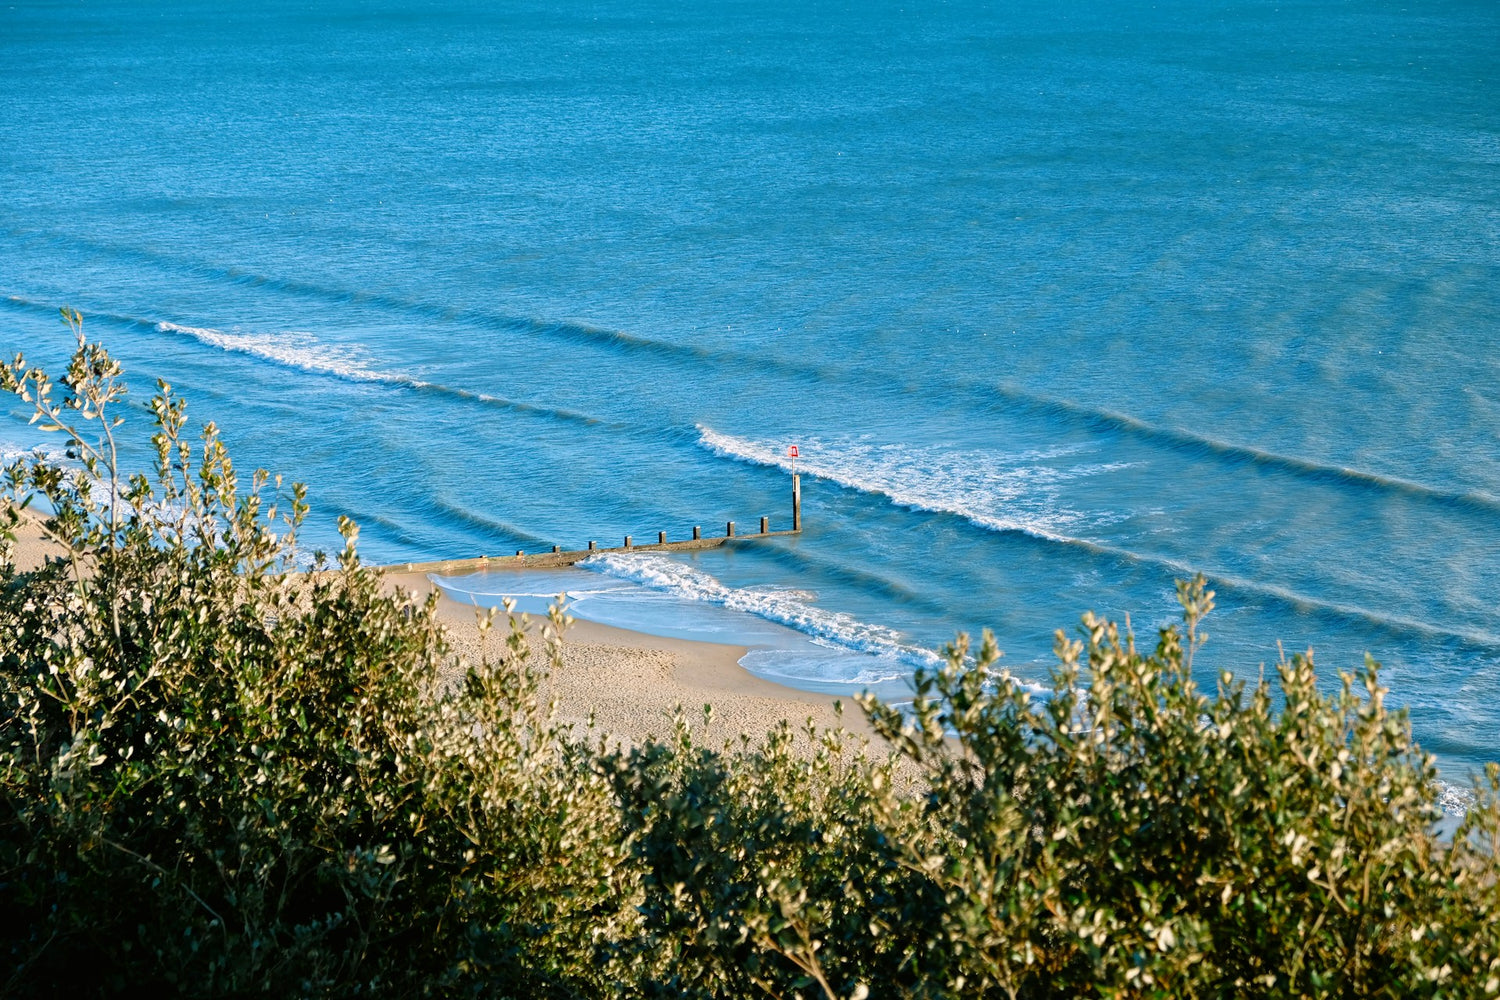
<point x="557" y="557"/>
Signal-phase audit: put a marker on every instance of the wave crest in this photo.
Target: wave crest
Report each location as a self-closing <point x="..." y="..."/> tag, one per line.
<point x="979" y="486"/>
<point x="294" y="349"/>
<point x="305" y="352"/>
<point x="784" y="607"/>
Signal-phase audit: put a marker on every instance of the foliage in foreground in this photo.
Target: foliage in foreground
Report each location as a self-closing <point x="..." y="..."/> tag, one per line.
<point x="223" y="777"/>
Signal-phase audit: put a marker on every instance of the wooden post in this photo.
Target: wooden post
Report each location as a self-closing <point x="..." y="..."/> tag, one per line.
<point x="796" y="502"/>
<point x="593" y="547"/>
<point x="697" y="532"/>
<point x="729" y="530"/>
<point x="764" y="524"/>
<point x="557" y="548"/>
<point x="661" y="538"/>
<point x="520" y="553"/>
<point x="627" y="541"/>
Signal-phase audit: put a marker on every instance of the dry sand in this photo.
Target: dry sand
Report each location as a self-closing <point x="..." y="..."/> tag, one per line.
<point x="632" y="683"/>
<point x="32" y="544"/>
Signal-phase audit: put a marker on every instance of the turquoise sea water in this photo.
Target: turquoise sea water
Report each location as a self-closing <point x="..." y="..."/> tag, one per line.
<point x="1059" y="303"/>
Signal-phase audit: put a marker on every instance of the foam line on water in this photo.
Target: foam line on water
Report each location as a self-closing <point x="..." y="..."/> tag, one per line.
<point x="804" y="561"/>
<point x="1176" y="438"/>
<point x="909" y="479"/>
<point x="616" y="341"/>
<point x="293" y="349"/>
<point x="983" y="393"/>
<point x="304" y="352"/>
<point x="1455" y="800"/>
<point x="972" y="484"/>
<point x="11" y="452"/>
<point x="789" y="608"/>
<point x="1199" y="445"/>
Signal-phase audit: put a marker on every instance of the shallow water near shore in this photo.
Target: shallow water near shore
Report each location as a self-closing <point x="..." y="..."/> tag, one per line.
<point x="1057" y="306"/>
<point x="790" y="639"/>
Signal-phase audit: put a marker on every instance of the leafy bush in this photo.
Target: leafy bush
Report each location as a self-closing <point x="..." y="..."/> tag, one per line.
<point x="1133" y="837"/>
<point x="224" y="776"/>
<point x="1124" y="837"/>
<point x="761" y="862"/>
<point x="221" y="776"/>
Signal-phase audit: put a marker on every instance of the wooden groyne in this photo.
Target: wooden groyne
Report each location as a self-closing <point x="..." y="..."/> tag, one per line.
<point x="558" y="557"/>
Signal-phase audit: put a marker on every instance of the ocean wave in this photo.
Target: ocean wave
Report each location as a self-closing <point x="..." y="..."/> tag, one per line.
<point x="441" y="508"/>
<point x="289" y="351"/>
<point x="305" y="352"/>
<point x="784" y="607"/>
<point x="1455" y="800"/>
<point x="572" y="331"/>
<point x="294" y="349"/>
<point x="804" y="562"/>
<point x="11" y="452"/>
<point x="1200" y="445"/>
<point x="976" y="486"/>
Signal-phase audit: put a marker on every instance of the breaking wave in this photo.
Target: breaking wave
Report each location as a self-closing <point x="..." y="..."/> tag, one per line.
<point x="305" y="352"/>
<point x="784" y="607"/>
<point x="1021" y="493"/>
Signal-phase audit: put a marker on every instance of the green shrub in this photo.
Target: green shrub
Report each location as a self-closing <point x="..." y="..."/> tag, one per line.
<point x="221" y="776"/>
<point x="1131" y="836"/>
<point x="1125" y="836"/>
<point x="764" y="869"/>
<point x="224" y="776"/>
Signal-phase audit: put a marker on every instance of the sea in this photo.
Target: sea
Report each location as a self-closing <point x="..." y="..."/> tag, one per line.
<point x="1058" y="303"/>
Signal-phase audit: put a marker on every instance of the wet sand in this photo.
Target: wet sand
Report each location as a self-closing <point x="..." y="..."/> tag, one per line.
<point x="632" y="683"/>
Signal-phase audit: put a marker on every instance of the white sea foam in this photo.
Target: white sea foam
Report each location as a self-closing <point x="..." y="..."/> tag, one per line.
<point x="294" y="349"/>
<point x="1022" y="491"/>
<point x="832" y="629"/>
<point x="1455" y="800"/>
<point x="11" y="452"/>
<point x="303" y="351"/>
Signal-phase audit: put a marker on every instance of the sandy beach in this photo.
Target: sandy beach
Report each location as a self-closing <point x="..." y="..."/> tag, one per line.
<point x="32" y="545"/>
<point x="629" y="682"/>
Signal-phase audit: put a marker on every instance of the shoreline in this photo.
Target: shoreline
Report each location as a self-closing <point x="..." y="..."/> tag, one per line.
<point x="631" y="682"/>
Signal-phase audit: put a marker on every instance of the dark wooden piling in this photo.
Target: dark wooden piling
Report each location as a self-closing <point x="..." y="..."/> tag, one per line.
<point x="557" y="557"/>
